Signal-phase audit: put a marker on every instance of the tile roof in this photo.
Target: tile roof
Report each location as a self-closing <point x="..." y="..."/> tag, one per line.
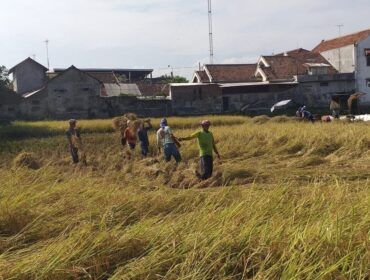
<point x="203" y="76"/>
<point x="231" y="72"/>
<point x="105" y="77"/>
<point x="114" y="89"/>
<point x="295" y="62"/>
<point x="154" y="89"/>
<point x="343" y="41"/>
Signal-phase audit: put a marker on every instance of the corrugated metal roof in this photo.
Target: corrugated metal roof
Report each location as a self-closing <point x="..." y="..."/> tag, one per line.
<point x="121" y="89"/>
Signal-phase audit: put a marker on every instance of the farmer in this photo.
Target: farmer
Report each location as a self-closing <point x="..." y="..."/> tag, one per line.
<point x="168" y="141"/>
<point x="304" y="114"/>
<point x="143" y="136"/>
<point x="74" y="139"/>
<point x="206" y="145"/>
<point x="130" y="134"/>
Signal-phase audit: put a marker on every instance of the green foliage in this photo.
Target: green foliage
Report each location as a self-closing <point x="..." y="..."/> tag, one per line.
<point x="4" y="78"/>
<point x="174" y="79"/>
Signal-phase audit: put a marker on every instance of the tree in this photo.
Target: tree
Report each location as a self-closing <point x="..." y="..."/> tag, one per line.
<point x="174" y="79"/>
<point x="4" y="78"/>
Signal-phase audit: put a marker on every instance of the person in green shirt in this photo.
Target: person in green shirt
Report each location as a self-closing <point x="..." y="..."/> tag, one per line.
<point x="206" y="145"/>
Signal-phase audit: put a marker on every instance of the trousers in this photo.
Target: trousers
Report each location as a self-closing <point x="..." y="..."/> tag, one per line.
<point x="206" y="166"/>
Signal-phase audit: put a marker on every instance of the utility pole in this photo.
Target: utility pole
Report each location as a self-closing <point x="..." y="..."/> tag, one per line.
<point x="339" y="50"/>
<point x="47" y="52"/>
<point x="210" y="31"/>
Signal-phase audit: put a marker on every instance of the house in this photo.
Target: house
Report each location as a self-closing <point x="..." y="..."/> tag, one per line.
<point x="289" y="65"/>
<point x="304" y="76"/>
<point x="225" y="73"/>
<point x="350" y="54"/>
<point x="71" y="94"/>
<point x="28" y="75"/>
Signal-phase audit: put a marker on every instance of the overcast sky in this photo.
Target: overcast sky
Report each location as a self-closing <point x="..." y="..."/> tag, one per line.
<point x="157" y="33"/>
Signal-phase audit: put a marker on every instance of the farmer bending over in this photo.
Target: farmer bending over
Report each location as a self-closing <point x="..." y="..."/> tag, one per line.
<point x="74" y="139"/>
<point x="168" y="141"/>
<point x="206" y="145"/>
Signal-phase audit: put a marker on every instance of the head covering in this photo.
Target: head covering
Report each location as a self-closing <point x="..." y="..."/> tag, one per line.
<point x="205" y="123"/>
<point x="72" y="121"/>
<point x="163" y="123"/>
<point x="303" y="108"/>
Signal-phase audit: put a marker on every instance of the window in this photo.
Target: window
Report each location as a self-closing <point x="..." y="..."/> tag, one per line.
<point x="368" y="82"/>
<point x="324" y="84"/>
<point x="318" y="71"/>
<point x="11" y="109"/>
<point x="60" y="90"/>
<point x="85" y="89"/>
<point x="367" y="54"/>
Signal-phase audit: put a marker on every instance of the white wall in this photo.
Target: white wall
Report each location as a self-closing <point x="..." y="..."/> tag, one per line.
<point x="363" y="71"/>
<point x="346" y="57"/>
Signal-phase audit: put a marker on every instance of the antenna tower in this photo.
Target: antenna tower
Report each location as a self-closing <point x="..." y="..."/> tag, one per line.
<point x="210" y="31"/>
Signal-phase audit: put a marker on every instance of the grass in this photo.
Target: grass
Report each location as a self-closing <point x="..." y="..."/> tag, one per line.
<point x="288" y="200"/>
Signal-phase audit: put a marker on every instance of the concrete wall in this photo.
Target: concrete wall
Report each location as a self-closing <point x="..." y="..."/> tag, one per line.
<point x="117" y="106"/>
<point x="255" y="100"/>
<point x="195" y="99"/>
<point x="317" y="91"/>
<point x="73" y="94"/>
<point x="28" y="77"/>
<point x="9" y="105"/>
<point x="363" y="72"/>
<point x="345" y="55"/>
<point x="35" y="107"/>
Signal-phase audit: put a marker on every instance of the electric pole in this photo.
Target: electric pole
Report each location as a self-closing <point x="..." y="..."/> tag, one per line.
<point x="47" y="52"/>
<point x="210" y="31"/>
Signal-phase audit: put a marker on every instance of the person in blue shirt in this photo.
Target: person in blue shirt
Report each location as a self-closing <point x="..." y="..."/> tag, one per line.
<point x="142" y="132"/>
<point x="304" y="114"/>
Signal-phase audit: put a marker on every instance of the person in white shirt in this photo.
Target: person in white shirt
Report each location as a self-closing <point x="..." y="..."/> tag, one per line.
<point x="168" y="141"/>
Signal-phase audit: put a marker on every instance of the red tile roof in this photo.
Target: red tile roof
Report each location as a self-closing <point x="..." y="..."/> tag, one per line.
<point x="203" y="76"/>
<point x="285" y="66"/>
<point x="341" y="41"/>
<point x="105" y="77"/>
<point x="148" y="89"/>
<point x="231" y="73"/>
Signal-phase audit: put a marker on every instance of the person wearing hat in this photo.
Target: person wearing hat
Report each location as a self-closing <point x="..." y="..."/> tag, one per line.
<point x="168" y="141"/>
<point x="74" y="138"/>
<point x="206" y="145"/>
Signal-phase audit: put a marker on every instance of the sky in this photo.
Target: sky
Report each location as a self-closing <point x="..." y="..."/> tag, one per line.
<point x="168" y="34"/>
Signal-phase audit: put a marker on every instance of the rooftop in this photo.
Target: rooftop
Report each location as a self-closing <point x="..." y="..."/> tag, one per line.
<point x="340" y="42"/>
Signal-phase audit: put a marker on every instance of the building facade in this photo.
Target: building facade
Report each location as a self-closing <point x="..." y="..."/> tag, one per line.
<point x="28" y="76"/>
<point x="351" y="54"/>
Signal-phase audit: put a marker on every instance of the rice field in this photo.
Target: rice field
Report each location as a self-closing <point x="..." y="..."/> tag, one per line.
<point x="287" y="200"/>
